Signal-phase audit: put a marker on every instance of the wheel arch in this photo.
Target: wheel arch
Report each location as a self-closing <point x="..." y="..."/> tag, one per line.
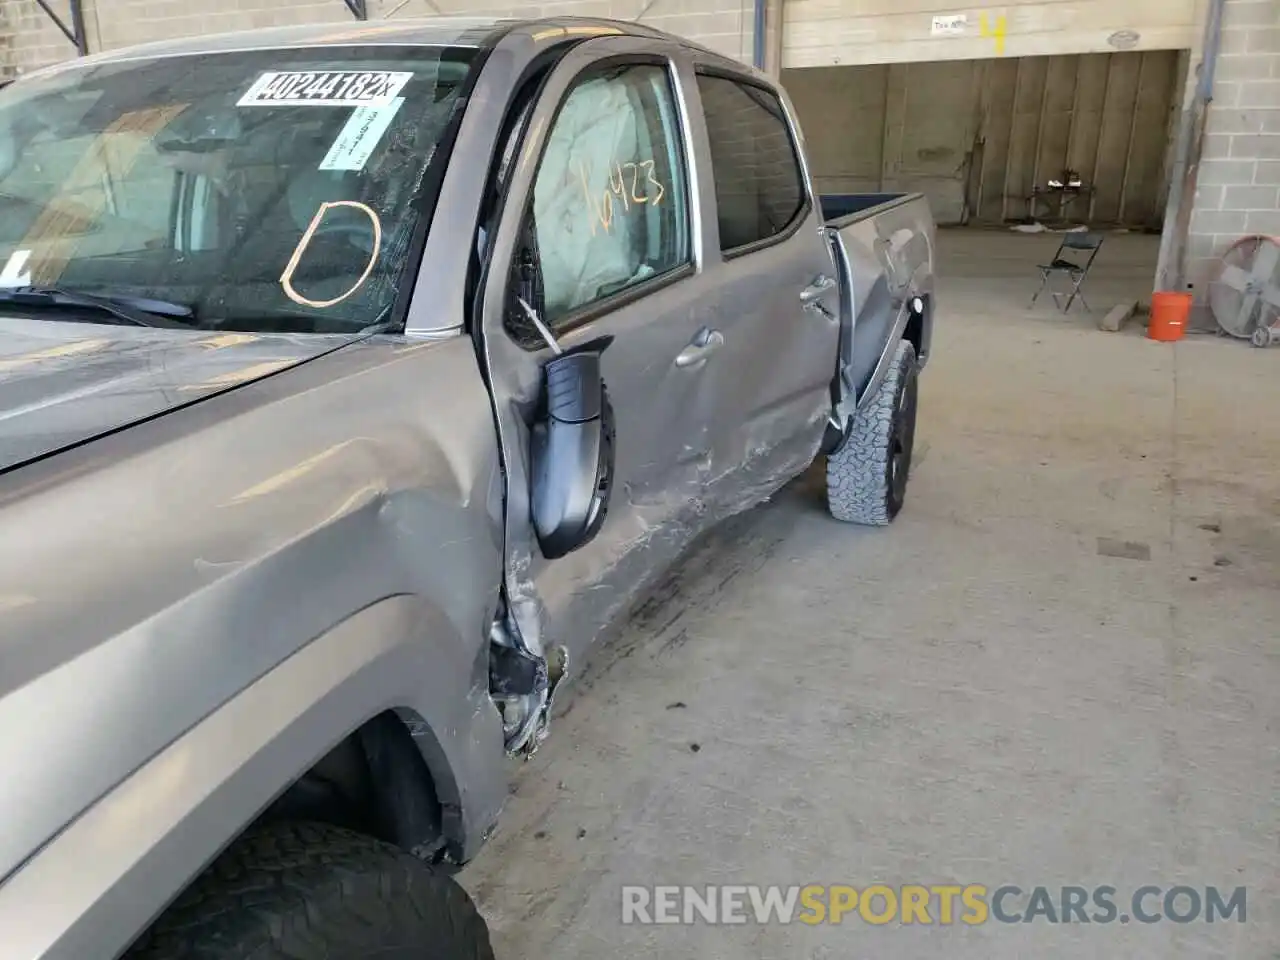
<point x="378" y="780"/>
<point x="370" y="681"/>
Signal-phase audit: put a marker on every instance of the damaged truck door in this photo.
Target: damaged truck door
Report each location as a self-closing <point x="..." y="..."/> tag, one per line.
<point x="662" y="328"/>
<point x="777" y="285"/>
<point x="595" y="256"/>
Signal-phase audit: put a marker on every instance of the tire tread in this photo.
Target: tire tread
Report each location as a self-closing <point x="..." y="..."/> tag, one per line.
<point x="857" y="470"/>
<point x="306" y="891"/>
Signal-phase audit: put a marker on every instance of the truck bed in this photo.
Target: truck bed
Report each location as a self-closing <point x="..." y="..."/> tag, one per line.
<point x="882" y="244"/>
<point x="837" y="208"/>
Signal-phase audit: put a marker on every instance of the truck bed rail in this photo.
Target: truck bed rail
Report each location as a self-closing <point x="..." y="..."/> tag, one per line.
<point x="841" y="209"/>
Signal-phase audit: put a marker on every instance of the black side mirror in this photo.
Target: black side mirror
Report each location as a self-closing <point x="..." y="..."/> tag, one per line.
<point x="572" y="451"/>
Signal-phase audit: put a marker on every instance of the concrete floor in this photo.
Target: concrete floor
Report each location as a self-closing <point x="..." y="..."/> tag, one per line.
<point x="981" y="693"/>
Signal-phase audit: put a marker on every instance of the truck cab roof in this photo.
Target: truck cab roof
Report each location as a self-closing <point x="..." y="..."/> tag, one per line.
<point x="453" y="31"/>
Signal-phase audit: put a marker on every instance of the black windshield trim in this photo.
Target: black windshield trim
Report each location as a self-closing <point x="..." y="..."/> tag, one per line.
<point x="51" y="297"/>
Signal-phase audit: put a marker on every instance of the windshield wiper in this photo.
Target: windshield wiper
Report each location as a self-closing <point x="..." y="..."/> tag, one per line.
<point x="138" y="311"/>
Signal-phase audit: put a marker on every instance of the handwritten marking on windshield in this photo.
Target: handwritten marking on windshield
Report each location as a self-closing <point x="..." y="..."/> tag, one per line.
<point x="286" y="278"/>
<point x="626" y="185"/>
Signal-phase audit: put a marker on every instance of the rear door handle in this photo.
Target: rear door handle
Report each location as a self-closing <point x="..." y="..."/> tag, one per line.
<point x="814" y="291"/>
<point x="704" y="344"/>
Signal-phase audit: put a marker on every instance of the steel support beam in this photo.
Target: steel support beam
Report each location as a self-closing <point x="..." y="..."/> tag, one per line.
<point x="359" y="8"/>
<point x="1171" y="268"/>
<point x="759" y="25"/>
<point x="76" y="32"/>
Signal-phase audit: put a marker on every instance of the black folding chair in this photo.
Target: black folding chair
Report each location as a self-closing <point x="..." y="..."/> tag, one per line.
<point x="1074" y="258"/>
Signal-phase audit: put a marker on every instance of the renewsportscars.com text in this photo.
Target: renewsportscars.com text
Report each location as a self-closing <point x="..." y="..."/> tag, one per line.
<point x="943" y="904"/>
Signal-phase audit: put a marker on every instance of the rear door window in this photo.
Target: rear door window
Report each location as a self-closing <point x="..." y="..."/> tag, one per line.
<point x="760" y="192"/>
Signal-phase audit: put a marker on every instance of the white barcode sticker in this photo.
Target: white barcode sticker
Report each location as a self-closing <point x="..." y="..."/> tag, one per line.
<point x="326" y="88"/>
<point x="359" y="136"/>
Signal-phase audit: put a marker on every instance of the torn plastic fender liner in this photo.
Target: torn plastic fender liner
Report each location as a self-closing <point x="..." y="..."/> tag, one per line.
<point x="519" y="685"/>
<point x="515" y="673"/>
<point x="523" y="686"/>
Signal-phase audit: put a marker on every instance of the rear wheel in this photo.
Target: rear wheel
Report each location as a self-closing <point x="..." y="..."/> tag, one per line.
<point x="867" y="473"/>
<point x="309" y="891"/>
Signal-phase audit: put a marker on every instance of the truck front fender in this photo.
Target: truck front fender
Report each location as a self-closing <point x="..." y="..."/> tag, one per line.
<point x="98" y="884"/>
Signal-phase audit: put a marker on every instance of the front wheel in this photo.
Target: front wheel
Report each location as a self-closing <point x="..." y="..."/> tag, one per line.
<point x="308" y="891"/>
<point x="868" y="470"/>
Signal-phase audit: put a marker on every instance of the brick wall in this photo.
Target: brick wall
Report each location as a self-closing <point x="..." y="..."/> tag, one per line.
<point x="122" y="22"/>
<point x="28" y="38"/>
<point x="723" y="25"/>
<point x="7" y="39"/>
<point x="1238" y="188"/>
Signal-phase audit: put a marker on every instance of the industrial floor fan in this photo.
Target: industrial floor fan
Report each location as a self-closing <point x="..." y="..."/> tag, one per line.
<point x="1244" y="293"/>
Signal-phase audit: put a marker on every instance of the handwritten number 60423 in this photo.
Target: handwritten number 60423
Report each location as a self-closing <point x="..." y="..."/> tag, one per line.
<point x="632" y="183"/>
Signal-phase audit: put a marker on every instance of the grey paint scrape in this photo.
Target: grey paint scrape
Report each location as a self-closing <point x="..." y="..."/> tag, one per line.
<point x="694" y="445"/>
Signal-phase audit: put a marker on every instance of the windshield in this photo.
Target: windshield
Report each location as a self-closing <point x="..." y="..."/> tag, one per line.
<point x="272" y="190"/>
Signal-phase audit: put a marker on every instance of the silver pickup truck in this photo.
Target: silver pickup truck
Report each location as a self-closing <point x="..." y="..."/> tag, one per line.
<point x="353" y="380"/>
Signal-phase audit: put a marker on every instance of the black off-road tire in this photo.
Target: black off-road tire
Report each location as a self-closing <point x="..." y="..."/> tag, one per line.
<point x="308" y="891"/>
<point x="867" y="472"/>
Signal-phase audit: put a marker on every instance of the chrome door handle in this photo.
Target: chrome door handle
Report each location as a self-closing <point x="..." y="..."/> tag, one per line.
<point x="704" y="344"/>
<point x="821" y="284"/>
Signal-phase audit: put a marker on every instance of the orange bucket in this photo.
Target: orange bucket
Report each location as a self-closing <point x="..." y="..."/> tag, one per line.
<point x="1169" y="313"/>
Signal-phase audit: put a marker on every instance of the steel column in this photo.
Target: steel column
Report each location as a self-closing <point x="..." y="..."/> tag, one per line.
<point x="359" y="8"/>
<point x="1171" y="271"/>
<point x="76" y="32"/>
<point x="759" y="23"/>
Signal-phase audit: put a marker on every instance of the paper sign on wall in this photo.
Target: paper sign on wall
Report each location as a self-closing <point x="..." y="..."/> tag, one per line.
<point x="359" y="136"/>
<point x="950" y="25"/>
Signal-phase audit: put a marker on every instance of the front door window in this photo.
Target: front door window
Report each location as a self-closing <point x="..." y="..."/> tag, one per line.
<point x="610" y="203"/>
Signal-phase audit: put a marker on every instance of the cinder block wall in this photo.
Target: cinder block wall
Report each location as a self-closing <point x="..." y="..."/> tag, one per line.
<point x="29" y="39"/>
<point x="1238" y="188"/>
